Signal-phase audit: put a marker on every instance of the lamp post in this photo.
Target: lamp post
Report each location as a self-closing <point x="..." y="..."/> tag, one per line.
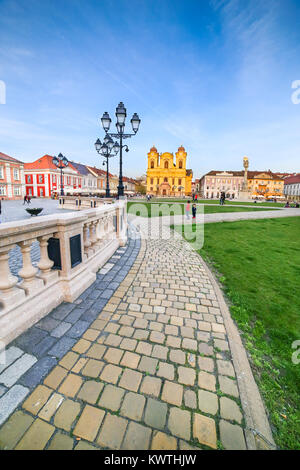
<point x="61" y="162"/>
<point x="107" y="149"/>
<point x="120" y="134"/>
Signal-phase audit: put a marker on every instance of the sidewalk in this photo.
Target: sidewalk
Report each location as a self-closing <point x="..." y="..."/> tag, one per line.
<point x="149" y="368"/>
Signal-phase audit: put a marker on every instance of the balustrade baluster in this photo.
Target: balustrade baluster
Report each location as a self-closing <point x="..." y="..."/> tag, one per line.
<point x="9" y="293"/>
<point x="28" y="272"/>
<point x="86" y="239"/>
<point x="45" y="264"/>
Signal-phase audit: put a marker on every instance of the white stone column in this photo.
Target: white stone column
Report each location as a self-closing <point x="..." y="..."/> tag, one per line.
<point x="28" y="272"/>
<point x="9" y="294"/>
<point x="45" y="264"/>
<point x="86" y="241"/>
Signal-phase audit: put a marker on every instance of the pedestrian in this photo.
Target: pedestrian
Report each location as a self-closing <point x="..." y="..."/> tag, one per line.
<point x="193" y="197"/>
<point x="196" y="197"/>
<point x="194" y="211"/>
<point x="28" y="199"/>
<point x="187" y="210"/>
<point x="25" y="199"/>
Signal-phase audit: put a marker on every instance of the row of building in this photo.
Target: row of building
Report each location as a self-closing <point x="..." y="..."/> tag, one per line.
<point x="261" y="185"/>
<point x="168" y="176"/>
<point x="42" y="178"/>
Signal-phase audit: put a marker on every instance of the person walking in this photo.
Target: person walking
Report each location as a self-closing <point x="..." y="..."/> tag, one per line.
<point x="222" y="199"/>
<point x="25" y="199"/>
<point x="28" y="199"/>
<point x="194" y="211"/>
<point x="187" y="210"/>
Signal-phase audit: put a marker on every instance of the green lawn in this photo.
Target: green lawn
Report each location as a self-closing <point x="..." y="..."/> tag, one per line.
<point x="180" y="208"/>
<point x="214" y="201"/>
<point x="258" y="264"/>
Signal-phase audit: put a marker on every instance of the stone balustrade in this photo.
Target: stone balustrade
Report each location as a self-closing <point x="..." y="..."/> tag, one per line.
<point x="73" y="247"/>
<point x="79" y="203"/>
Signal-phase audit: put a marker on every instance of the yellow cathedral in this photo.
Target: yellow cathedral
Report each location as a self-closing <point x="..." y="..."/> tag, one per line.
<point x="166" y="178"/>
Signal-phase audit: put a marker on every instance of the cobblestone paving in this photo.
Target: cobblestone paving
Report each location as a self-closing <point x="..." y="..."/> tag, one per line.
<point x="149" y="369"/>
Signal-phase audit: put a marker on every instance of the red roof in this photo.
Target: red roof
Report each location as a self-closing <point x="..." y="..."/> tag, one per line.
<point x="98" y="171"/>
<point x="257" y="175"/>
<point x="44" y="163"/>
<point x="3" y="156"/>
<point x="292" y="179"/>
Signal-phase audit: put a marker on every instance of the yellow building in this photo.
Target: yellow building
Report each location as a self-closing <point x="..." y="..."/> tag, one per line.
<point x="265" y="184"/>
<point x="166" y="178"/>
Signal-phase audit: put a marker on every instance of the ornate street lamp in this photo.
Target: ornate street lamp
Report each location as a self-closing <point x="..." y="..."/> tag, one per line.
<point x="61" y="162"/>
<point x="120" y="125"/>
<point x="107" y="149"/>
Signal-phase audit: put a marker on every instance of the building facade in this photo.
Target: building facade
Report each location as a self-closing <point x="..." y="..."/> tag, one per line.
<point x="166" y="178"/>
<point x="265" y="184"/>
<point x="89" y="181"/>
<point x="42" y="178"/>
<point x="129" y="186"/>
<point x="291" y="188"/>
<point x="214" y="183"/>
<point x="12" y="179"/>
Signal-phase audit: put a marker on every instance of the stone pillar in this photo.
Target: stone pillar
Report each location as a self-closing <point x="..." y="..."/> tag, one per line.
<point x="86" y="239"/>
<point x="28" y="272"/>
<point x="99" y="230"/>
<point x="9" y="293"/>
<point x="45" y="264"/>
<point x="93" y="236"/>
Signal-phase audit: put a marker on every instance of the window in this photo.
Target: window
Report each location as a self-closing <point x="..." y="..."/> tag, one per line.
<point x="166" y="165"/>
<point x="40" y="178"/>
<point x="151" y="181"/>
<point x="152" y="164"/>
<point x="16" y="174"/>
<point x="17" y="191"/>
<point x="53" y="178"/>
<point x="180" y="164"/>
<point x="2" y="190"/>
<point x="179" y="182"/>
<point x="1" y="172"/>
<point x="165" y="180"/>
<point x="29" y="179"/>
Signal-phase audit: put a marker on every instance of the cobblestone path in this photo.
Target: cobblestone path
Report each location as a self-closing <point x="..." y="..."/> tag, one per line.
<point x="152" y="369"/>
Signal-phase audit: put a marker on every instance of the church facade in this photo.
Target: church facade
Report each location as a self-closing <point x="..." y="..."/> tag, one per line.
<point x="166" y="177"/>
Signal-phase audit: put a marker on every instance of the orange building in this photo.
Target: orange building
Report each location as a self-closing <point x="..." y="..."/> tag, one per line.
<point x="12" y="181"/>
<point x="265" y="184"/>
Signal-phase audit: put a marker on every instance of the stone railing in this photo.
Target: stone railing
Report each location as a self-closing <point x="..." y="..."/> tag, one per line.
<point x="79" y="203"/>
<point x="72" y="249"/>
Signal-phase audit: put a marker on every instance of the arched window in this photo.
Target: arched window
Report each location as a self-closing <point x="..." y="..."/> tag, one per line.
<point x="179" y="182"/>
<point x="165" y="180"/>
<point x="180" y="164"/>
<point x="167" y="164"/>
<point x="151" y="181"/>
<point x="152" y="164"/>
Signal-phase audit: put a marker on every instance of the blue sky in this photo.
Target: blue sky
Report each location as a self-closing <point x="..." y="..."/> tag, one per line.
<point x="213" y="75"/>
